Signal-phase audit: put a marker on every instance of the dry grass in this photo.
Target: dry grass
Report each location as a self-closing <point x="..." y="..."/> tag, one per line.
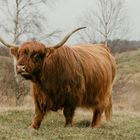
<point x="13" y="126"/>
<point x="127" y="86"/>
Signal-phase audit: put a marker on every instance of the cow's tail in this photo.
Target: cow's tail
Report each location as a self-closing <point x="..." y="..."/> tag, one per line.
<point x="108" y="109"/>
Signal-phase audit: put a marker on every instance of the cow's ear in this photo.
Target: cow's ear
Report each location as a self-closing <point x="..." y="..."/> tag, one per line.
<point x="13" y="51"/>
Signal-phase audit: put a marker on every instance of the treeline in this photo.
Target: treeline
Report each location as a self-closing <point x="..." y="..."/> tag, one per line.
<point x="119" y="46"/>
<point x="115" y="46"/>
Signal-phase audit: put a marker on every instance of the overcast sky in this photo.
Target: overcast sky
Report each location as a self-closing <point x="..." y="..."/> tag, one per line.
<point x="65" y="14"/>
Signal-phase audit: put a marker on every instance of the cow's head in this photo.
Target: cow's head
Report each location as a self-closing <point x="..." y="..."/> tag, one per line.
<point x="30" y="55"/>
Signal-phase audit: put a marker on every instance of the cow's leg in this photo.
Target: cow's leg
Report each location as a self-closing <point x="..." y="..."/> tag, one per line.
<point x="39" y="114"/>
<point x="68" y="113"/>
<point x="97" y="116"/>
<point x="108" y="109"/>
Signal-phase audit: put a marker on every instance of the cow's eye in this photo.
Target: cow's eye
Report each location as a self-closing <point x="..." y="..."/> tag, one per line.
<point x="36" y="56"/>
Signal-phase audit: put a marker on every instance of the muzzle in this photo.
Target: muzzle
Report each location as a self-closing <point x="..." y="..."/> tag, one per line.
<point x="20" y="69"/>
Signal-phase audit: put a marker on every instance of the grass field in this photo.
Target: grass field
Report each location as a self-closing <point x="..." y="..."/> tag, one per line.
<point x="14" y="123"/>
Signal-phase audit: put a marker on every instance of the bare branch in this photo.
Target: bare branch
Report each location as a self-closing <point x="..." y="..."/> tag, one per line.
<point x="107" y="20"/>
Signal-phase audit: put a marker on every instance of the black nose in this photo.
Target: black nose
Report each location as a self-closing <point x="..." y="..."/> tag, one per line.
<point x="20" y="68"/>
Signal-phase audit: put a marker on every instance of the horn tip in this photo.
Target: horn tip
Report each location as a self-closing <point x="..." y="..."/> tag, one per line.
<point x="82" y="27"/>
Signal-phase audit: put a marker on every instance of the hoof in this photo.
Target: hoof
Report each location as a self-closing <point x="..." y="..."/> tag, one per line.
<point x="95" y="126"/>
<point x="32" y="127"/>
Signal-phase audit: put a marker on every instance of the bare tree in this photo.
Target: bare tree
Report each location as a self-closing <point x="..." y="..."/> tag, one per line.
<point x="108" y="21"/>
<point x="22" y="18"/>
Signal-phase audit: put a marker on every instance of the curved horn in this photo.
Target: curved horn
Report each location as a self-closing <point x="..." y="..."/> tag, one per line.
<point x="6" y="44"/>
<point x="66" y="38"/>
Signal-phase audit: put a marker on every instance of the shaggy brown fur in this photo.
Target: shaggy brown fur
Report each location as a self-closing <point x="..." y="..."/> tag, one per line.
<point x="66" y="78"/>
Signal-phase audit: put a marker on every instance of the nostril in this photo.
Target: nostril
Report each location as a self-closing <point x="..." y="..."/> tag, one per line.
<point x="23" y="67"/>
<point x="20" y="68"/>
